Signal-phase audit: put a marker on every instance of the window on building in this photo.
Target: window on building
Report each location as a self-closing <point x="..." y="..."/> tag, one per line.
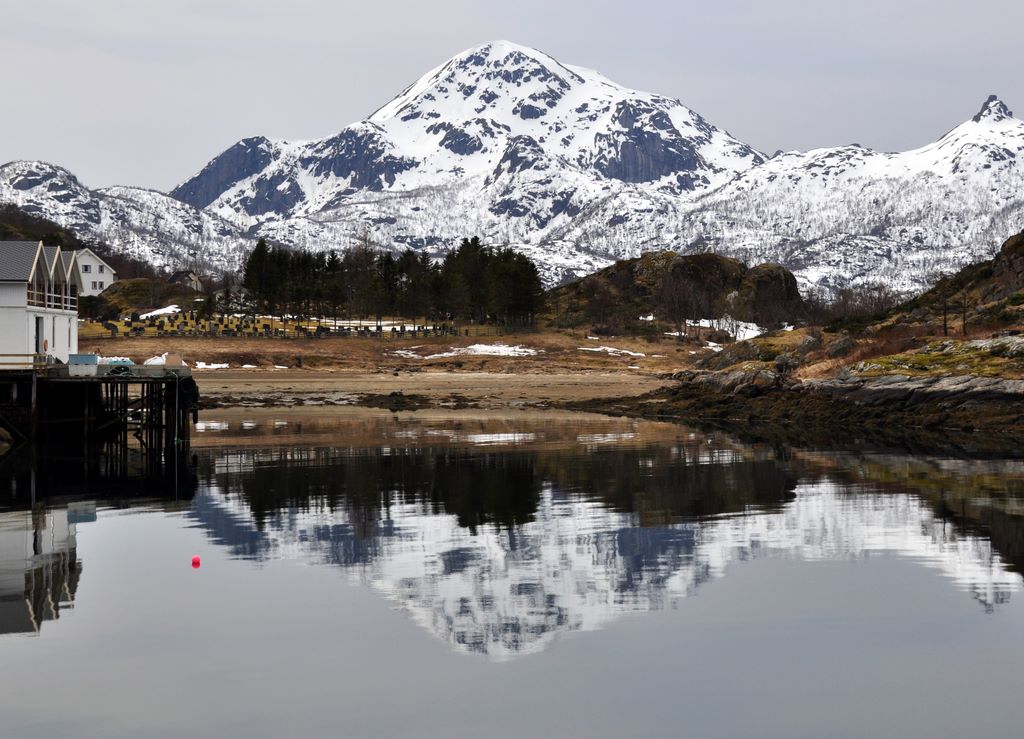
<point x="86" y="268"/>
<point x="94" y="284"/>
<point x="101" y="284"/>
<point x="100" y="268"/>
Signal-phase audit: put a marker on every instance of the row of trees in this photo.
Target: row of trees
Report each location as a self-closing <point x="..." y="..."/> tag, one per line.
<point x="474" y="282"/>
<point x="863" y="301"/>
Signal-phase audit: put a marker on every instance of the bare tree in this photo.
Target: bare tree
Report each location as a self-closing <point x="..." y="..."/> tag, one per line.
<point x="675" y="300"/>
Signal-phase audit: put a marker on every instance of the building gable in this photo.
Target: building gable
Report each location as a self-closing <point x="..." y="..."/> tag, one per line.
<point x="70" y="263"/>
<point x="87" y="252"/>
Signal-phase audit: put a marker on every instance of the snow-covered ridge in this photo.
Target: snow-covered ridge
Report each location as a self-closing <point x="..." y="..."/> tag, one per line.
<point x="507" y="143"/>
<point x="140" y="223"/>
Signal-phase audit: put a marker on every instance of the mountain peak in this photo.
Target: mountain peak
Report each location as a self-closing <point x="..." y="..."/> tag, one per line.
<point x="473" y="79"/>
<point x="502" y="53"/>
<point x="994" y="110"/>
<point x="499" y="48"/>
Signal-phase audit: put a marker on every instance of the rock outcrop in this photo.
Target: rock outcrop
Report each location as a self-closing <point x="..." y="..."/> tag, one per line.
<point x="711" y="284"/>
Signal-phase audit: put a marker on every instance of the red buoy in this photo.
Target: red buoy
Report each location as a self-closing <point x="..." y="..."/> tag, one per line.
<point x="195" y="562"/>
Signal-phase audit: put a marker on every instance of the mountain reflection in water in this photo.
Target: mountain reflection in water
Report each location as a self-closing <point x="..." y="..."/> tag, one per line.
<point x="498" y="551"/>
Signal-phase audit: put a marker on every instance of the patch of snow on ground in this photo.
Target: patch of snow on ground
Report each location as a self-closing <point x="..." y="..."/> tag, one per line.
<point x="280" y="366"/>
<point x="211" y="366"/>
<point x="648" y="317"/>
<point x="488" y="350"/>
<point x="248" y="366"/>
<point x="612" y="350"/>
<point x="739" y="330"/>
<point x="170" y="309"/>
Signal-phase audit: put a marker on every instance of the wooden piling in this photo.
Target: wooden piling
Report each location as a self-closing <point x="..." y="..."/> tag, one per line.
<point x="101" y="419"/>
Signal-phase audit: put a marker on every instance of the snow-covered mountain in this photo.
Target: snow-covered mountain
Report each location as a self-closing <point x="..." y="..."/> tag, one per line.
<point x="501" y="141"/>
<point x="507" y="143"/>
<point x="849" y="214"/>
<point x="531" y="138"/>
<point x="144" y="224"/>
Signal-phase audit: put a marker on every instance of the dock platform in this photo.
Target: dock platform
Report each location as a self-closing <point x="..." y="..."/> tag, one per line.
<point x="99" y="417"/>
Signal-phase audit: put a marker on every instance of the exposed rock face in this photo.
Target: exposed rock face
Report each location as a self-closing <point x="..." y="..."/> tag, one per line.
<point x="766" y="294"/>
<point x="743" y="351"/>
<point x="717" y="274"/>
<point x="769" y="292"/>
<point x="914" y="391"/>
<point x="362" y="156"/>
<point x="245" y="159"/>
<point x="994" y="110"/>
<point x="908" y="391"/>
<point x="810" y="343"/>
<point x="840" y="346"/>
<point x="647" y="147"/>
<point x="714" y="284"/>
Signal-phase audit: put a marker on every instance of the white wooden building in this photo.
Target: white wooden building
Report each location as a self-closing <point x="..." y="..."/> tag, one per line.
<point x="39" y="288"/>
<point x="96" y="274"/>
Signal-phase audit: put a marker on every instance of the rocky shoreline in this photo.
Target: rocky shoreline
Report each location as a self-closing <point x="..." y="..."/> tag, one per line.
<point x="949" y="412"/>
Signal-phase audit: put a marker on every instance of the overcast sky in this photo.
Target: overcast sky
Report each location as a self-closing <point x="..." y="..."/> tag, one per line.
<point x="145" y="93"/>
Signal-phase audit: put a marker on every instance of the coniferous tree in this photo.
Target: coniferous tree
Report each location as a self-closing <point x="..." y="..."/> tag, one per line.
<point x="473" y="282"/>
<point x="256" y="273"/>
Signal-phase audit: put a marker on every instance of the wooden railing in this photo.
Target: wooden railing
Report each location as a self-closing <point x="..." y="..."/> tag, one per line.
<point x="44" y="299"/>
<point x="22" y="361"/>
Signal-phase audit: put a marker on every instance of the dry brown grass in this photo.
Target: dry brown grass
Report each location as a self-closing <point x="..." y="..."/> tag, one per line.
<point x="557" y="351"/>
<point x="894" y="343"/>
<point x="890" y="342"/>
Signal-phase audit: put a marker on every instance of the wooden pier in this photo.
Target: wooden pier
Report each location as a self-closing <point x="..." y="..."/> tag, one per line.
<point x="123" y="419"/>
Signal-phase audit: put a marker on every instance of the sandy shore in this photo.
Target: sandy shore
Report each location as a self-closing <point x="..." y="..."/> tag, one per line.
<point x="409" y="390"/>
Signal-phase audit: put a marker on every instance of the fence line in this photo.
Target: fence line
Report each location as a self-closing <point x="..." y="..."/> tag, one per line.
<point x="279" y="330"/>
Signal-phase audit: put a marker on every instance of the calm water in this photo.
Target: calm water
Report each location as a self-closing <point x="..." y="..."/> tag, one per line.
<point x="443" y="575"/>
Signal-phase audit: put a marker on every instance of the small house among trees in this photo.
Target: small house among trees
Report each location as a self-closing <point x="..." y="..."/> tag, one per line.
<point x="96" y="275"/>
<point x="188" y="278"/>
